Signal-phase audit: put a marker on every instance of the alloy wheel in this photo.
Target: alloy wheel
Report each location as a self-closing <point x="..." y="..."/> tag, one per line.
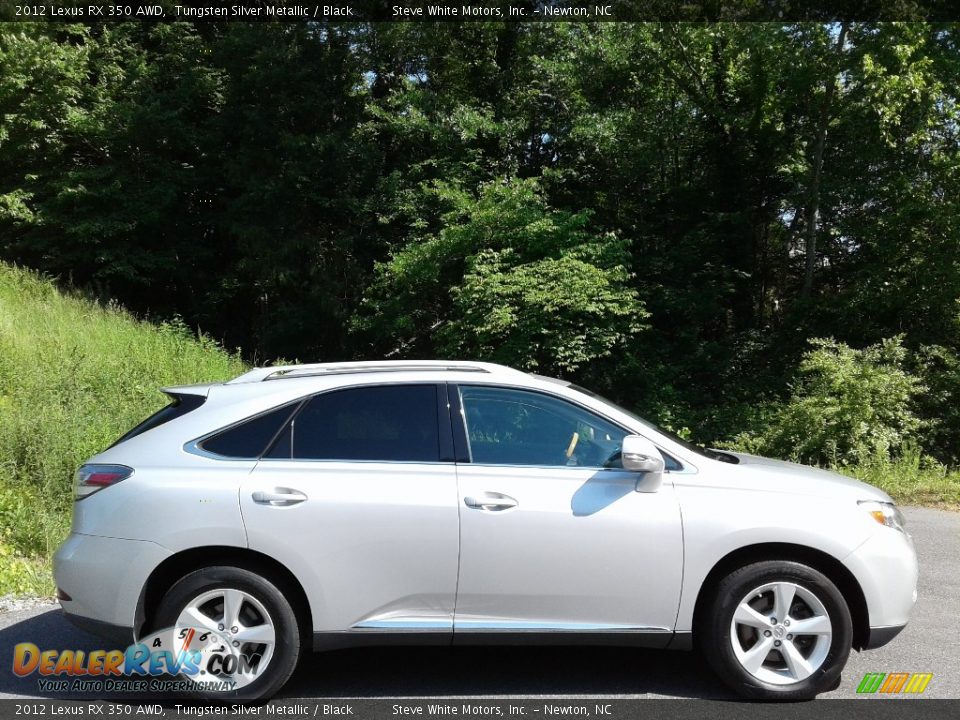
<point x="781" y="633"/>
<point x="233" y="632"/>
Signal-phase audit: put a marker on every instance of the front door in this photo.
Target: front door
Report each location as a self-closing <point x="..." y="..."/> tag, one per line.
<point x="553" y="536"/>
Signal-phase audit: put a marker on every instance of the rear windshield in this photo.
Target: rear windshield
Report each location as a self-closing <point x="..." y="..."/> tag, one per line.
<point x="180" y="406"/>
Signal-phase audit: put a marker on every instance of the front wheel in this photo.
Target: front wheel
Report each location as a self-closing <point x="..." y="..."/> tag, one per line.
<point x="240" y="628"/>
<point x="777" y="630"/>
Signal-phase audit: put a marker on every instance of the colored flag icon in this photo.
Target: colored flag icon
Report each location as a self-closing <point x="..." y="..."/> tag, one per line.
<point x="894" y="683"/>
<point x="918" y="682"/>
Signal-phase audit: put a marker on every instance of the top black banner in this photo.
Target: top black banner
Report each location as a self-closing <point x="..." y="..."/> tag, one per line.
<point x="482" y="10"/>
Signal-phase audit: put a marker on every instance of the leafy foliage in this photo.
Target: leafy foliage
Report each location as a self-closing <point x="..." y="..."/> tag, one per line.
<point x="552" y="315"/>
<point x="666" y="212"/>
<point x="939" y="369"/>
<point x="848" y="407"/>
<point x="509" y="279"/>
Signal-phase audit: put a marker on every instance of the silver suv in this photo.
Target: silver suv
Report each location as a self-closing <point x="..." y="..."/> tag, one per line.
<point x="336" y="505"/>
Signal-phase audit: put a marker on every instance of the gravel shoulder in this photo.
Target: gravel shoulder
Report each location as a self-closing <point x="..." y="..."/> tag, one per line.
<point x="22" y="603"/>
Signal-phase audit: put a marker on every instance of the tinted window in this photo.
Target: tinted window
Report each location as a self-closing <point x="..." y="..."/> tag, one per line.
<point x="672" y="464"/>
<point x="283" y="446"/>
<point x="181" y="405"/>
<point x="389" y="422"/>
<point x="516" y="427"/>
<point x="249" y="438"/>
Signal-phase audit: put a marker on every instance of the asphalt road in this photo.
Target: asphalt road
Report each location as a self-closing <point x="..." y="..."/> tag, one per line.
<point x="929" y="644"/>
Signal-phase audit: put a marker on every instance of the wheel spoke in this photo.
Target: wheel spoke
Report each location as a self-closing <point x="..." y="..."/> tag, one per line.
<point x="817" y="625"/>
<point x="192" y="617"/>
<point x="782" y="599"/>
<point x="259" y="634"/>
<point x="797" y="664"/>
<point x="244" y="676"/>
<point x="232" y="602"/>
<point x="753" y="658"/>
<point x="746" y="615"/>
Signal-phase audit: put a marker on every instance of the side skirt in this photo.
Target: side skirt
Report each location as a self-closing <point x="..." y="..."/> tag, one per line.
<point x="625" y="638"/>
<point x="323" y="641"/>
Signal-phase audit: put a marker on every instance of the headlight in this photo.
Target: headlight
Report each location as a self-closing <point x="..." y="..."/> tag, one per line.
<point x="885" y="513"/>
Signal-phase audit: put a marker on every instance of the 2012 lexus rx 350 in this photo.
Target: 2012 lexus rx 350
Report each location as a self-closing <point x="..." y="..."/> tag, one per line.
<point x="326" y="506"/>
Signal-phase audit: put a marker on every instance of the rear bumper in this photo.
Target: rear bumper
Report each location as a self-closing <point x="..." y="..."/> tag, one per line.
<point x="104" y="578"/>
<point x="122" y="635"/>
<point x="880" y="636"/>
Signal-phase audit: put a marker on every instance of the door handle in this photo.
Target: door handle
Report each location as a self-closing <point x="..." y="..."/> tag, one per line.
<point x="280" y="497"/>
<point x="490" y="501"/>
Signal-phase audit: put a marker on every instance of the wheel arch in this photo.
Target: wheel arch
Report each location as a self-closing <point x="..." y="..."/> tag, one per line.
<point x="181" y="564"/>
<point x="823" y="562"/>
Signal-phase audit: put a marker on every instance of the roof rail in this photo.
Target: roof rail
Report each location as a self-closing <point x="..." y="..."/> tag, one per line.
<point x="280" y="372"/>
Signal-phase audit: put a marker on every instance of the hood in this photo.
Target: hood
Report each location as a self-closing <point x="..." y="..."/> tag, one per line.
<point x="778" y="475"/>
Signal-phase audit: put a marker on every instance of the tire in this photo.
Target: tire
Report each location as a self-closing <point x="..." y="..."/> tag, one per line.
<point x="783" y="666"/>
<point x="260" y="606"/>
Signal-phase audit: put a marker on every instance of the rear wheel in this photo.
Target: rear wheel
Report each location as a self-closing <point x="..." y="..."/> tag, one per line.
<point x="777" y="631"/>
<point x="244" y="629"/>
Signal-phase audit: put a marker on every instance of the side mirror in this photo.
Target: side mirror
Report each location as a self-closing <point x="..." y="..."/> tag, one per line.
<point x="641" y="456"/>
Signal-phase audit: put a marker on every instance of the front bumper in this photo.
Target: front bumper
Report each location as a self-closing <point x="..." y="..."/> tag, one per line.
<point x="104" y="578"/>
<point x="885" y="566"/>
<point x="880" y="636"/>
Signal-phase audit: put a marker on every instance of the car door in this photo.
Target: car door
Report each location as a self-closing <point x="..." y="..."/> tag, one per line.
<point x="553" y="536"/>
<point x="357" y="498"/>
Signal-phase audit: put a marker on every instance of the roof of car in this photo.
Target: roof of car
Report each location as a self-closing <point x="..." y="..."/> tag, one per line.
<point x="280" y="372"/>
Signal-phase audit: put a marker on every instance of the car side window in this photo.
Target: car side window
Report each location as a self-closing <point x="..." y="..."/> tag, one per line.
<point x="381" y="423"/>
<point x="248" y="439"/>
<point x="506" y="426"/>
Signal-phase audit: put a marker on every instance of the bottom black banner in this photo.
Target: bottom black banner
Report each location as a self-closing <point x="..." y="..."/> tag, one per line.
<point x="477" y="708"/>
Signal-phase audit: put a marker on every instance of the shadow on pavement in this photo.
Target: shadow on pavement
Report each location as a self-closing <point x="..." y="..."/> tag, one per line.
<point x="425" y="671"/>
<point x="481" y="671"/>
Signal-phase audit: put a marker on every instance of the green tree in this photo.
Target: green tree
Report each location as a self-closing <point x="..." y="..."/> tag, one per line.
<point x="334" y="191"/>
<point x="508" y="279"/>
<point x="849" y="406"/>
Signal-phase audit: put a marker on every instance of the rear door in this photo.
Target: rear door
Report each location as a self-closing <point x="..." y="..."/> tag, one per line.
<point x="554" y="536"/>
<point x="357" y="497"/>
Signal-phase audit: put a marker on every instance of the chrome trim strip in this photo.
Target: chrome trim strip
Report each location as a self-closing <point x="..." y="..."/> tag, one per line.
<point x="519" y="625"/>
<point x="193" y="447"/>
<point x="328" y="461"/>
<point x="571" y="468"/>
<point x="295" y="372"/>
<point x="404" y="624"/>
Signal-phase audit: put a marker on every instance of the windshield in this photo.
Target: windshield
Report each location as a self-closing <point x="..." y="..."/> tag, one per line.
<point x="692" y="447"/>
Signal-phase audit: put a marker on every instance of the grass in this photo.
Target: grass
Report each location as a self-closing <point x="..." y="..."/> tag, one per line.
<point x="74" y="375"/>
<point x="912" y="479"/>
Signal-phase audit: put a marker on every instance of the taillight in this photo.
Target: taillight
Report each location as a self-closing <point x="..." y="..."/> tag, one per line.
<point x="90" y="478"/>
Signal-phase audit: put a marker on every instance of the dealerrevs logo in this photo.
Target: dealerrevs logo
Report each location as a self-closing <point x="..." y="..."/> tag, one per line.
<point x="182" y="659"/>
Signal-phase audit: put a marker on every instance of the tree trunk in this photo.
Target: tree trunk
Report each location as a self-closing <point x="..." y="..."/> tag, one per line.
<point x="816" y="172"/>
